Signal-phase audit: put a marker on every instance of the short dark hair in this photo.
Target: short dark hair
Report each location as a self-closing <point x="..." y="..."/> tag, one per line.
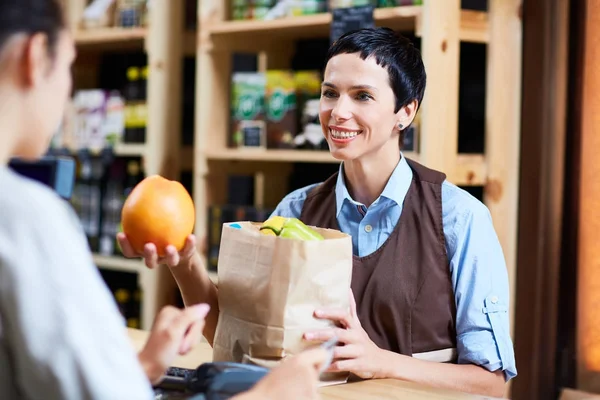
<point x="31" y="17"/>
<point x="392" y="51"/>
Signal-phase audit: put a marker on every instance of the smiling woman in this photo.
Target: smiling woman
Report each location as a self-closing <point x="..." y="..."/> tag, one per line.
<point x="425" y="251"/>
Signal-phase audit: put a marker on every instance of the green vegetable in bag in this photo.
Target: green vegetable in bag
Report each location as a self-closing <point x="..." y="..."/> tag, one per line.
<point x="293" y="228"/>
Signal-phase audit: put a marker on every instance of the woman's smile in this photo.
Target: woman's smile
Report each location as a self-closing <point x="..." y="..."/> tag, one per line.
<point x="342" y="135"/>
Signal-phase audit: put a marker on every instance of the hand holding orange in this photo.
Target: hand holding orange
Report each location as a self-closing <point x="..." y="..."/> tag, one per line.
<point x="158" y="211"/>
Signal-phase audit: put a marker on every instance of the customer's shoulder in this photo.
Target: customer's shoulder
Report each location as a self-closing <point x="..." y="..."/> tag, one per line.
<point x="23" y="199"/>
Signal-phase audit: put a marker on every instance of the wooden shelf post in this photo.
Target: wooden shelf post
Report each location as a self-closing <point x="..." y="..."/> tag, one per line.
<point x="163" y="138"/>
<point x="502" y="128"/>
<point x="440" y="46"/>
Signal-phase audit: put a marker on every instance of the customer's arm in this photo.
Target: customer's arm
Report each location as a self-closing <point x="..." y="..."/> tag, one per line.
<point x="66" y="337"/>
<point x="295" y="378"/>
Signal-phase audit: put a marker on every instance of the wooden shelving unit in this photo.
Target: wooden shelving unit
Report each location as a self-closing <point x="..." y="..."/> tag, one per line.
<point x="442" y="26"/>
<point x="164" y="41"/>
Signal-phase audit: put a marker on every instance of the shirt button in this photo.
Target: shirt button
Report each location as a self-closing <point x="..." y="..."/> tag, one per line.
<point x="494" y="299"/>
<point x="368" y="228"/>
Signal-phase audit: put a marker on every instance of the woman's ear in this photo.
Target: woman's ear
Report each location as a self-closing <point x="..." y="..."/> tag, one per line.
<point x="406" y="114"/>
<point x="36" y="59"/>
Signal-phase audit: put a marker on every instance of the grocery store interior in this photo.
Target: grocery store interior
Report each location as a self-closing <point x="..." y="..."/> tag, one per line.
<point x="510" y="115"/>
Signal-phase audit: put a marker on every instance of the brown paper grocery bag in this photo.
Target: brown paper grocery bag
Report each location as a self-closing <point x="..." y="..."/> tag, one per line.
<point x="269" y="288"/>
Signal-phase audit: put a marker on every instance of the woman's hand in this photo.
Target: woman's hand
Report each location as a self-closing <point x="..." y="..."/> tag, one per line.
<point x="175" y="332"/>
<point x="296" y="377"/>
<point x="358" y="355"/>
<point x="172" y="258"/>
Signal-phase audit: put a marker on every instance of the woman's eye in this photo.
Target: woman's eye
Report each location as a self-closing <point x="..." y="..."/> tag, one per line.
<point x="363" y="96"/>
<point x="328" y="93"/>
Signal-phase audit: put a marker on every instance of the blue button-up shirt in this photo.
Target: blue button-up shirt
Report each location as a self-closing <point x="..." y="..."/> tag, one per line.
<point x="477" y="265"/>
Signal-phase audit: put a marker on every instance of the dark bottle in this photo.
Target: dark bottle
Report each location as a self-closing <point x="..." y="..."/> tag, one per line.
<point x="133" y="97"/>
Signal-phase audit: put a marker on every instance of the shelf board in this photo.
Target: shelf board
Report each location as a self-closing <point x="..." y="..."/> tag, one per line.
<point x="105" y="36"/>
<point x="130" y="149"/>
<point x="474" y="26"/>
<point x="119" y="263"/>
<point x="305" y="26"/>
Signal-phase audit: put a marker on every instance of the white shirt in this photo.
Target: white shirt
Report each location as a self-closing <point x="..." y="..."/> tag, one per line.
<point x="61" y="335"/>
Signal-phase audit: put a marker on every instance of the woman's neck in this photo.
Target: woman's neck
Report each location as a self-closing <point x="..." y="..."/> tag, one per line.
<point x="9" y="127"/>
<point x="366" y="177"/>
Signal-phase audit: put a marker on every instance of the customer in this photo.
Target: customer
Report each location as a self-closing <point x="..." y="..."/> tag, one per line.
<point x="429" y="277"/>
<point x="61" y="336"/>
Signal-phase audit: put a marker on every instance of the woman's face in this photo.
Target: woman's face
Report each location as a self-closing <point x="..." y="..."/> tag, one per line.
<point x="46" y="94"/>
<point x="357" y="107"/>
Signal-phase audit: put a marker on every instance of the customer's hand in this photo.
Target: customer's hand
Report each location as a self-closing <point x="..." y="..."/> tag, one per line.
<point x="358" y="355"/>
<point x="175" y="332"/>
<point x="172" y="258"/>
<point x="295" y="378"/>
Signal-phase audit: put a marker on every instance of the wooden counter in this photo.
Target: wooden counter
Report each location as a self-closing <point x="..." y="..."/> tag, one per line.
<point x="380" y="389"/>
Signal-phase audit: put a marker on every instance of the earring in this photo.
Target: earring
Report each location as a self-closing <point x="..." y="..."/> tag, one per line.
<point x="400" y="126"/>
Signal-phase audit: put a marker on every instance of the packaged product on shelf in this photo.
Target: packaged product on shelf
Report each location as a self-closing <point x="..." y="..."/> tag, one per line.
<point x="114" y="119"/>
<point x="112" y="203"/>
<point x="398" y="3"/>
<point x="306" y="7"/>
<point x="248" y="110"/>
<point x="311" y="136"/>
<point x="90" y="112"/>
<point x="350" y="3"/>
<point x="135" y="106"/>
<point x="95" y="120"/>
<point x="131" y="13"/>
<point x="308" y="87"/>
<point x="280" y="99"/>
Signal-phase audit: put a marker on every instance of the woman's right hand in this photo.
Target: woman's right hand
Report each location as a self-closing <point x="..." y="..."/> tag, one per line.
<point x="295" y="378"/>
<point x="172" y="258"/>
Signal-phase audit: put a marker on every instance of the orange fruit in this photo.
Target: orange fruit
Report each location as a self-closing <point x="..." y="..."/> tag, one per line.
<point x="158" y="211"/>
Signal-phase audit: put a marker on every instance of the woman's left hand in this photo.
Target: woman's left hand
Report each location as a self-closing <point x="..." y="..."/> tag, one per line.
<point x="358" y="355"/>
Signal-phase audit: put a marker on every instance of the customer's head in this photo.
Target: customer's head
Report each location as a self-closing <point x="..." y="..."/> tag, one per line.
<point x="373" y="86"/>
<point x="36" y="53"/>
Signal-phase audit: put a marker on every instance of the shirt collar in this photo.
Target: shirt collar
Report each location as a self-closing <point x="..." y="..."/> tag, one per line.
<point x="395" y="189"/>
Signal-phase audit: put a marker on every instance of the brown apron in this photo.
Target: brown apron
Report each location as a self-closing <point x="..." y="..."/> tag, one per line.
<point x="403" y="291"/>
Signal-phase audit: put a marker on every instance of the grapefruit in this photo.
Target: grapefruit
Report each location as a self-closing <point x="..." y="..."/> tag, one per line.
<point x="159" y="211"/>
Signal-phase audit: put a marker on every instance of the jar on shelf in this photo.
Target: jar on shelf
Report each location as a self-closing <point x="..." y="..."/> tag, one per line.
<point x="131" y="13"/>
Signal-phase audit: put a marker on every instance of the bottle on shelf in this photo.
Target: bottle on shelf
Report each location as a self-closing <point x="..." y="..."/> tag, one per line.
<point x="135" y="106"/>
<point x="112" y="204"/>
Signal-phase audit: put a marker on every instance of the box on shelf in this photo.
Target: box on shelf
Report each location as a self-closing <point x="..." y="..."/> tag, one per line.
<point x="248" y="118"/>
<point x="280" y="98"/>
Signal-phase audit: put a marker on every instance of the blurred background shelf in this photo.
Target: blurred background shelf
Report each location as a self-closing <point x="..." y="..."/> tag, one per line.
<point x="119" y="263"/>
<point x="110" y="36"/>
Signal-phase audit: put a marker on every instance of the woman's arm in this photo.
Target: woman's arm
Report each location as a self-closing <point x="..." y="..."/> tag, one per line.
<point x="360" y="356"/>
<point x="196" y="287"/>
<point x="467" y="378"/>
<point x="189" y="272"/>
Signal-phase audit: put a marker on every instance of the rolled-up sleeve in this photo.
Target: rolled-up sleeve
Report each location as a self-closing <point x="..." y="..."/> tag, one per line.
<point x="482" y="292"/>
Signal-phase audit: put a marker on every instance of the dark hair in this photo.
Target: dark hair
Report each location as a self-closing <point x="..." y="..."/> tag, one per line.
<point x="30" y="17"/>
<point x="392" y="51"/>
